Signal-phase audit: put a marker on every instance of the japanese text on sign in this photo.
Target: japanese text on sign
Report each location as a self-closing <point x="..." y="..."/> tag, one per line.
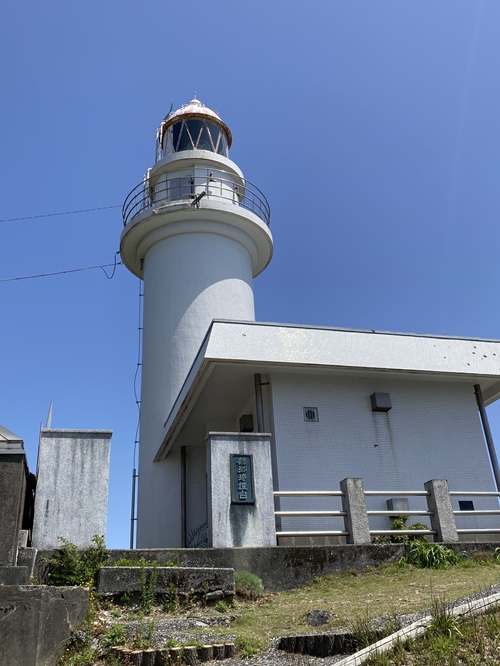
<point x="241" y="479"/>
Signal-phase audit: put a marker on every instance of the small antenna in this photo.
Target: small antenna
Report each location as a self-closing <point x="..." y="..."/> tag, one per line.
<point x="49" y="417"/>
<point x="169" y="111"/>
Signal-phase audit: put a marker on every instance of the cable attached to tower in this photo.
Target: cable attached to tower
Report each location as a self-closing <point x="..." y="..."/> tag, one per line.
<point x="133" y="517"/>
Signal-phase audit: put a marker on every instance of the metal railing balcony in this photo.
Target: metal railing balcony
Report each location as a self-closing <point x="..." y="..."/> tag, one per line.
<point x="217" y="186"/>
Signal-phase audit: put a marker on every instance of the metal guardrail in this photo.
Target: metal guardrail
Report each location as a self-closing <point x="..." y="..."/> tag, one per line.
<point x="219" y="186"/>
<point x="477" y="512"/>
<point x="381" y="493"/>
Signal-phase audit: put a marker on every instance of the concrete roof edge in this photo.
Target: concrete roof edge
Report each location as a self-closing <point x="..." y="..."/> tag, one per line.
<point x="273" y="324"/>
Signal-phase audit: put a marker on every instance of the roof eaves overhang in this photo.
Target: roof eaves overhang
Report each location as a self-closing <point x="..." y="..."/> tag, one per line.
<point x="267" y="346"/>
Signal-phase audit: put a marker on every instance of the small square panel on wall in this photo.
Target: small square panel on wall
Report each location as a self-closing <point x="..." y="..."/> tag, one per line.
<point x="381" y="402"/>
<point x="311" y="415"/>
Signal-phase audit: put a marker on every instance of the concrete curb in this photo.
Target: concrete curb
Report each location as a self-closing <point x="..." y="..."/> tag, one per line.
<point x="416" y="629"/>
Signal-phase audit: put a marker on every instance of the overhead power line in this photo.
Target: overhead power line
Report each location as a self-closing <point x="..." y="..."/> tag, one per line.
<point x="72" y="270"/>
<point x="67" y="212"/>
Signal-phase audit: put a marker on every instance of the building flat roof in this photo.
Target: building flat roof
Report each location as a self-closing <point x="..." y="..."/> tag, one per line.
<point x="262" y="347"/>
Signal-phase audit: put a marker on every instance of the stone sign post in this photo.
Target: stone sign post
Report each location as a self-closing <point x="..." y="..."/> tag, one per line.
<point x="240" y="490"/>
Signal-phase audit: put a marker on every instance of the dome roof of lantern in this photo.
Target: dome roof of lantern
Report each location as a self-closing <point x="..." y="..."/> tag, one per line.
<point x="195" y="109"/>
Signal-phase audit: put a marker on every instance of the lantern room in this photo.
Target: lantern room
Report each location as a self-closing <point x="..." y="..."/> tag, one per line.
<point x="192" y="127"/>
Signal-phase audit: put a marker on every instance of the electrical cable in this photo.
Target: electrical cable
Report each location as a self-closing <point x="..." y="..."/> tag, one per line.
<point x="67" y="212"/>
<point x="72" y="270"/>
<point x="133" y="516"/>
<point x="139" y="363"/>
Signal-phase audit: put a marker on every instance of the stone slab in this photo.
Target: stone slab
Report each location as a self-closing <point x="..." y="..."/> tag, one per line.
<point x="203" y="581"/>
<point x="14" y="576"/>
<point x="26" y="557"/>
<point x="36" y="622"/>
<point x="13" y="475"/>
<point x="76" y="462"/>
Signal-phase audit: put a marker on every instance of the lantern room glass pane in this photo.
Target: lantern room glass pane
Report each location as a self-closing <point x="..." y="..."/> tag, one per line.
<point x="195" y="128"/>
<point x="196" y="133"/>
<point x="176" y="130"/>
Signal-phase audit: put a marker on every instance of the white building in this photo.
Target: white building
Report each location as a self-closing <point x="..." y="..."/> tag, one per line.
<point x="393" y="409"/>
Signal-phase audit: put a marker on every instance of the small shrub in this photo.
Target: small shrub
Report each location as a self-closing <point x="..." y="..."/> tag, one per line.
<point x="247" y="585"/>
<point x="69" y="566"/>
<point x="401" y="523"/>
<point x="116" y="635"/>
<point x="430" y="555"/>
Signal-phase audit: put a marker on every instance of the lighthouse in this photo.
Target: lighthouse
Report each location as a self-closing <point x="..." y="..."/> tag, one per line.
<point x="196" y="231"/>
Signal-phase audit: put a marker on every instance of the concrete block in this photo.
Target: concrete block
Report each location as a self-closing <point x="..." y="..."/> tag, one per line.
<point x="14" y="576"/>
<point x="398" y="504"/>
<point x="13" y="476"/>
<point x="76" y="463"/>
<point x="22" y="539"/>
<point x="439" y="503"/>
<point x="36" y="622"/>
<point x="201" y="581"/>
<point x="240" y="525"/>
<point x="26" y="557"/>
<point x="354" y="504"/>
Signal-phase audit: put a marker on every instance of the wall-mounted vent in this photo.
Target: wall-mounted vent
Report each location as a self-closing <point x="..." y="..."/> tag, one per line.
<point x="311" y="415"/>
<point x="381" y="402"/>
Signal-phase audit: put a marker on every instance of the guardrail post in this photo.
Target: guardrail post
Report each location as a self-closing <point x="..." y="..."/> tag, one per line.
<point x="439" y="504"/>
<point x="354" y="504"/>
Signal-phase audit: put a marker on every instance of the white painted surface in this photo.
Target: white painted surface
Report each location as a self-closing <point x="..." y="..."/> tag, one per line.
<point x="366" y="350"/>
<point x="71" y="498"/>
<point x="432" y="432"/>
<point x="198" y="265"/>
<point x="304" y="349"/>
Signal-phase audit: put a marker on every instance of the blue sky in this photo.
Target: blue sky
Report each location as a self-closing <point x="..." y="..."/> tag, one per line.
<point x="372" y="126"/>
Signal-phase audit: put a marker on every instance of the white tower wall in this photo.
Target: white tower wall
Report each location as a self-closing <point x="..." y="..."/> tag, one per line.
<point x="197" y="258"/>
<point x="190" y="279"/>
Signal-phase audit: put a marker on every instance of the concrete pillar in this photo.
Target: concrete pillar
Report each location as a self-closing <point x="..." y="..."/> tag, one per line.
<point x="71" y="499"/>
<point x="231" y="522"/>
<point x="13" y="480"/>
<point x="439" y="503"/>
<point x="354" y="504"/>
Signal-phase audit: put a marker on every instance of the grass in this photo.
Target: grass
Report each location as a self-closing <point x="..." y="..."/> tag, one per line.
<point x="368" y="594"/>
<point x="466" y="641"/>
<point x="384" y="590"/>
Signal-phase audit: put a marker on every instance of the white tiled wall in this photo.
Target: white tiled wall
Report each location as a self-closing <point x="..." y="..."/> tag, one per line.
<point x="433" y="431"/>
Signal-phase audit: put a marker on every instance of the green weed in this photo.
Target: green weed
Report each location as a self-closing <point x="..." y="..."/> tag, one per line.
<point x="149" y="577"/>
<point x="69" y="566"/>
<point x="429" y="555"/>
<point x="116" y="635"/>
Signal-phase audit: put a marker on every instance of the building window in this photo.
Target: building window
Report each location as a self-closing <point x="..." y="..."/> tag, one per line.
<point x="466" y="505"/>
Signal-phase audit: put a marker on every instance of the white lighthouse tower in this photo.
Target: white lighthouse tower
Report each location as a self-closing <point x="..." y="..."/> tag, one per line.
<point x="197" y="232"/>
